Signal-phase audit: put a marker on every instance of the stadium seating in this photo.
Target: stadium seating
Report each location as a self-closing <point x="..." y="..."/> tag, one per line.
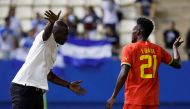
<point x="80" y="28"/>
<point x="41" y="2"/>
<point x="26" y="10"/>
<point x="127" y="26"/>
<point x="40" y="9"/>
<point x="26" y="24"/>
<point x="23" y="2"/>
<point x="79" y="11"/>
<point x="59" y="8"/>
<point x="3" y="10"/>
<point x="5" y="2"/>
<point x="93" y="2"/>
<point x="55" y="3"/>
<point x="130" y="12"/>
<point x="76" y="2"/>
<point x="98" y="10"/>
<point x="125" y="38"/>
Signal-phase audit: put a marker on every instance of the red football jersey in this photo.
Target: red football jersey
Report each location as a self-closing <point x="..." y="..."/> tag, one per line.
<point x="142" y="84"/>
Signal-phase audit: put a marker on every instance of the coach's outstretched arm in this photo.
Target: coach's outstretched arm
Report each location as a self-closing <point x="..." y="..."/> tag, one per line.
<point x="176" y="56"/>
<point x="73" y="86"/>
<point x="51" y="17"/>
<point x="119" y="84"/>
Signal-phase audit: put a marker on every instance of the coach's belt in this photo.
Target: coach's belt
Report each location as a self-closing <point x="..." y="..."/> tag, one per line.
<point x="32" y="87"/>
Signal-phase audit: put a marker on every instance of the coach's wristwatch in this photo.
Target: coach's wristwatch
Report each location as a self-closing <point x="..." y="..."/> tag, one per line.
<point x="68" y="85"/>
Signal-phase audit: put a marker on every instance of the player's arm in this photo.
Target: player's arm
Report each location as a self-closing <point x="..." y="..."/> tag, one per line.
<point x="119" y="84"/>
<point x="176" y="63"/>
<point x="73" y="86"/>
<point x="51" y="17"/>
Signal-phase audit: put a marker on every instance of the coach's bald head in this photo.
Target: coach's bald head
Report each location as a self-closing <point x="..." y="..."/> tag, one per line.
<point x="60" y="32"/>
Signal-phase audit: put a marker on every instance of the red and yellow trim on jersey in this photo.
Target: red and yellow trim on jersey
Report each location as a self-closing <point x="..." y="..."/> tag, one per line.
<point x="126" y="63"/>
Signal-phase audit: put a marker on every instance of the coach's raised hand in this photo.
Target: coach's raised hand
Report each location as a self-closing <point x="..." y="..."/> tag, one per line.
<point x="76" y="88"/>
<point x="50" y="16"/>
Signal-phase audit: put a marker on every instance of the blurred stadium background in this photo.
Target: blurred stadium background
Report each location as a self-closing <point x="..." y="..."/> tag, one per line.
<point x="19" y="23"/>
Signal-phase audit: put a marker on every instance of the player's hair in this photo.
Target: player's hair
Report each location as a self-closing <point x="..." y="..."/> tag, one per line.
<point x="63" y="25"/>
<point x="146" y="25"/>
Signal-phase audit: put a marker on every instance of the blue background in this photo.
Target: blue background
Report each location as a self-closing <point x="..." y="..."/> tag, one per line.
<point x="100" y="82"/>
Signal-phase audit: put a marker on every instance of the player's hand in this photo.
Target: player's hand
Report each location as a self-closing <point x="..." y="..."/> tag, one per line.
<point x="178" y="42"/>
<point x="110" y="102"/>
<point x="76" y="88"/>
<point x="50" y="16"/>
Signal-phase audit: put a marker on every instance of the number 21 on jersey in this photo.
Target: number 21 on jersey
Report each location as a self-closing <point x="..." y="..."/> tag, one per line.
<point x="151" y="63"/>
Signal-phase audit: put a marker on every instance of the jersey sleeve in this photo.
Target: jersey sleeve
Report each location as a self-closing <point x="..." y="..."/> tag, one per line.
<point x="166" y="57"/>
<point x="126" y="56"/>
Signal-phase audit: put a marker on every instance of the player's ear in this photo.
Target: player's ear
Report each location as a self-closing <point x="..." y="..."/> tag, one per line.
<point x="138" y="32"/>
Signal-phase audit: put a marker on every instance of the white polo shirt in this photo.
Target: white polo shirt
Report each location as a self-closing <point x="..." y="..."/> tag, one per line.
<point x="38" y="63"/>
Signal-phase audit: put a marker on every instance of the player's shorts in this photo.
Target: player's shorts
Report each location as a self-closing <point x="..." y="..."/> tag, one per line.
<point x="131" y="106"/>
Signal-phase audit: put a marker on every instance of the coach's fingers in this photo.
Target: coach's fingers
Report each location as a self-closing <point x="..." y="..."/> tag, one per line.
<point x="52" y="13"/>
<point x="78" y="82"/>
<point x="47" y="15"/>
<point x="48" y="12"/>
<point x="46" y="18"/>
<point x="81" y="91"/>
<point x="59" y="14"/>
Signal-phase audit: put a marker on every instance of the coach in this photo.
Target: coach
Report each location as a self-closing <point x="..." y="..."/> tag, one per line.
<point x="31" y="81"/>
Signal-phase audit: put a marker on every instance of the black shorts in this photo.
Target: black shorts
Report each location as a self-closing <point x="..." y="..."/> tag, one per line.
<point x="26" y="97"/>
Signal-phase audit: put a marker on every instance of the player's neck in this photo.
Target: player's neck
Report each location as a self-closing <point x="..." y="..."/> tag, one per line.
<point x="141" y="38"/>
